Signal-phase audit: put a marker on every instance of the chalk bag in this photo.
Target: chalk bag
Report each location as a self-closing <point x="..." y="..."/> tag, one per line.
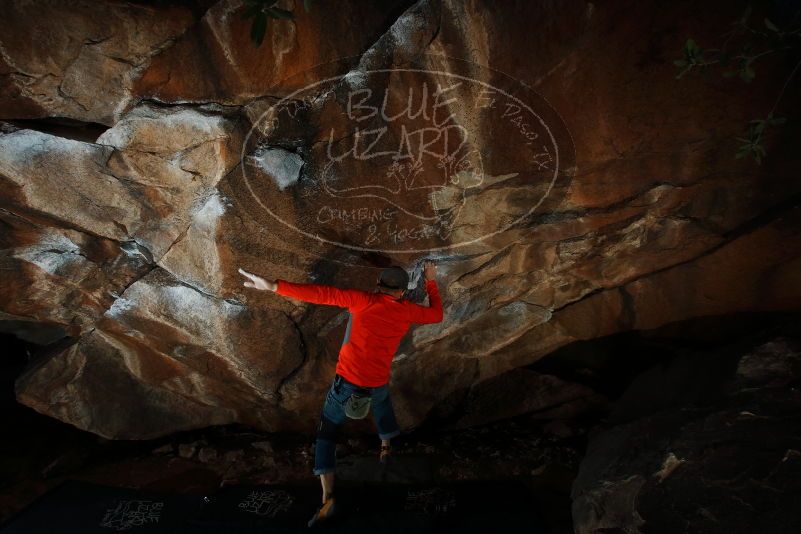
<point x="357" y="406"/>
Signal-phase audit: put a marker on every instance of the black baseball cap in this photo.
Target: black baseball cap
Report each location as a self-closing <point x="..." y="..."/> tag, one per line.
<point x="394" y="278"/>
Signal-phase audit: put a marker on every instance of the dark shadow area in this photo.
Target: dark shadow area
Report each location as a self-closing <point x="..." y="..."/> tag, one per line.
<point x="609" y="364"/>
<point x="28" y="446"/>
<point x="456" y="507"/>
<point x="540" y="451"/>
<point x="704" y="442"/>
<point x="67" y="128"/>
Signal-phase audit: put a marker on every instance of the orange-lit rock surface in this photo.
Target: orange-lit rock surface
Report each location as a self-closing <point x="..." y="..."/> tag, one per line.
<point x="130" y="242"/>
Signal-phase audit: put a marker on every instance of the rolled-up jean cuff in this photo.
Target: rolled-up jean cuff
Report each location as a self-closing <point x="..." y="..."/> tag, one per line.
<point x="390" y="435"/>
<point x="324" y="470"/>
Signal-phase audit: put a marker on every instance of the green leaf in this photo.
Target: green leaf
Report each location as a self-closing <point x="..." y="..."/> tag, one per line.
<point x="771" y="26"/>
<point x="278" y="13"/>
<point x="778" y="120"/>
<point x="680" y="62"/>
<point x="258" y="29"/>
<point x="692" y="52"/>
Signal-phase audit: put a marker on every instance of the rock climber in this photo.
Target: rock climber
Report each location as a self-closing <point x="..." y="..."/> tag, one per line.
<point x="377" y="321"/>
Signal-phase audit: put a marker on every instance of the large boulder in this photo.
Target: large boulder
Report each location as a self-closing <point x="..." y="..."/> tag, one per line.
<point x="217" y="61"/>
<point x="708" y="443"/>
<point x="79" y="59"/>
<point x="568" y="186"/>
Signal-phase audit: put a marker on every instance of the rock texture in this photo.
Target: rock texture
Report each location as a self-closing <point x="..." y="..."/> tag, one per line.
<point x="693" y="448"/>
<point x="216" y="61"/>
<point x="79" y="59"/>
<point x="129" y="242"/>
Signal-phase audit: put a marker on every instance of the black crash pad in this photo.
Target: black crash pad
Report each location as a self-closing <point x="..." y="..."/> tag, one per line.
<point x="462" y="507"/>
<point x="76" y="506"/>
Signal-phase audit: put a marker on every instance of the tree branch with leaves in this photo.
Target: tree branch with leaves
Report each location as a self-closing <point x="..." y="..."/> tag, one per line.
<point x="262" y="11"/>
<point x="744" y="44"/>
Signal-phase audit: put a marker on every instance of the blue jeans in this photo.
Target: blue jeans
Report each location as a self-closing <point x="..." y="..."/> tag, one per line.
<point x="333" y="416"/>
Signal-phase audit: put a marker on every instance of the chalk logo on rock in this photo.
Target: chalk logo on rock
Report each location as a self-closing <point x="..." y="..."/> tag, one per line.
<point x="415" y="159"/>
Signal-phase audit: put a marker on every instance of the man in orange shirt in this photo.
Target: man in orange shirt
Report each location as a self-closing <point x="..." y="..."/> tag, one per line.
<point x="377" y="322"/>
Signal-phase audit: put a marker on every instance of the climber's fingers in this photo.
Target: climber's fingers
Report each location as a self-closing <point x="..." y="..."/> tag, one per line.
<point x="247" y="274"/>
<point x="430" y="270"/>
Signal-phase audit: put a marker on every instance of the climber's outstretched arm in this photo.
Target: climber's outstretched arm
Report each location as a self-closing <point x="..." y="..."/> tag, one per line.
<point x="314" y="293"/>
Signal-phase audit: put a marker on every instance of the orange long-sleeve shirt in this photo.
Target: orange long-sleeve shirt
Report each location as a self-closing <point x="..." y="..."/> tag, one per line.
<point x="376" y="325"/>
